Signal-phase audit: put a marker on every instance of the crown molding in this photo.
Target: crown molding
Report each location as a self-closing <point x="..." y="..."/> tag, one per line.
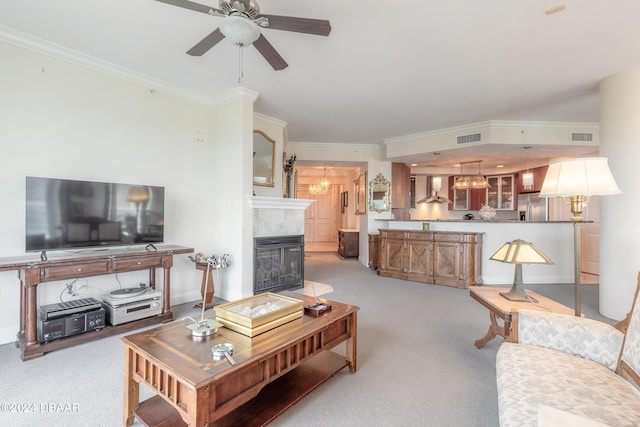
<point x="35" y="44"/>
<point x="269" y="119"/>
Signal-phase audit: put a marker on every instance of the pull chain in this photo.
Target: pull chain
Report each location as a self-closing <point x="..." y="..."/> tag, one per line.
<point x="240" y="65"/>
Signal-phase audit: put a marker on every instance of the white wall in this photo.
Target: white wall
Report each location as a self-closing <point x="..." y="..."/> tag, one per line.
<point x="62" y="120"/>
<point x="619" y="251"/>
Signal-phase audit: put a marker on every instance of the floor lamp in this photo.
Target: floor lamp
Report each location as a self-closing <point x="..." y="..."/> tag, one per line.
<point x="576" y="181"/>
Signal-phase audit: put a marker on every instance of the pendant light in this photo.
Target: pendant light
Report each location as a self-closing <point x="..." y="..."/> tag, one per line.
<point x="323" y="186"/>
<point x="471" y="182"/>
<point x="527" y="177"/>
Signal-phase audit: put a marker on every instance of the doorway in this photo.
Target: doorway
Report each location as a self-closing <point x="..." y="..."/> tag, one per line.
<point x="321" y="218"/>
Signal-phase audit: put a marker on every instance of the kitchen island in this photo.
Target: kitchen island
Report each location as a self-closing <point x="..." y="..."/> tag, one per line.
<point x="554" y="238"/>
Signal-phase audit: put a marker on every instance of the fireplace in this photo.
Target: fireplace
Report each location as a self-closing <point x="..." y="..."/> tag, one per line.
<point x="278" y="263"/>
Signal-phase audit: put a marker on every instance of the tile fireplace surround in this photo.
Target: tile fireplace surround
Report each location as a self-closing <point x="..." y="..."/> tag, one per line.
<point x="274" y="216"/>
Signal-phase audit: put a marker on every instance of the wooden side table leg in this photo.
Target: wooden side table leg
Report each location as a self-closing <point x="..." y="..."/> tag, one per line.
<point x="494" y="331"/>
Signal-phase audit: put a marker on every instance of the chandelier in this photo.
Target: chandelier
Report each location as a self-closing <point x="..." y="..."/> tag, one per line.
<point x="323" y="187"/>
<point x="470" y="182"/>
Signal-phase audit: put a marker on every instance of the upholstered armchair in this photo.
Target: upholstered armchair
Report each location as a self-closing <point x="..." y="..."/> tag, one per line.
<point x="557" y="369"/>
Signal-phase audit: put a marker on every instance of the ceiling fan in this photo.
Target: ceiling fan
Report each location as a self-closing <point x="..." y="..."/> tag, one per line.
<point x="242" y="22"/>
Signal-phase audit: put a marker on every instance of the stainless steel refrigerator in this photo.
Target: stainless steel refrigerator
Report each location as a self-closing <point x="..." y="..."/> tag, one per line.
<point x="532" y="207"/>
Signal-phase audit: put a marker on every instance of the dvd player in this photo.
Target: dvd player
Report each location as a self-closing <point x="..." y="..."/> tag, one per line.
<point x="53" y="311"/>
<point x="129" y="304"/>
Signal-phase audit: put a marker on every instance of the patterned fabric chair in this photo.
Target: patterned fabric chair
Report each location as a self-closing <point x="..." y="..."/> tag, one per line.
<point x="560" y="370"/>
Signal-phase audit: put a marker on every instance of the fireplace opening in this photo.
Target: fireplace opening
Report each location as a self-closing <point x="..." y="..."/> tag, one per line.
<point x="278" y="263"/>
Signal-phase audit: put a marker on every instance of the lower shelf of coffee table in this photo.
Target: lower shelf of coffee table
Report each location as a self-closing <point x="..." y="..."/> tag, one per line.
<point x="272" y="401"/>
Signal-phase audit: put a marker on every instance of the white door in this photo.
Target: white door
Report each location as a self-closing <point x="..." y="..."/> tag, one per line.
<point x="320" y="218"/>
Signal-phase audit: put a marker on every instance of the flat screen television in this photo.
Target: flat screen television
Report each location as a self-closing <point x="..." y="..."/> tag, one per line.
<point x="62" y="214"/>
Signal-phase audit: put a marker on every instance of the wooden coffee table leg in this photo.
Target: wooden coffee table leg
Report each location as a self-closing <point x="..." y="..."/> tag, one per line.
<point x="131" y="388"/>
<point x="494" y="331"/>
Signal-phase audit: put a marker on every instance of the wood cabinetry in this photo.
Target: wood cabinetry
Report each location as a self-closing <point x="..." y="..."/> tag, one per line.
<point x="34" y="272"/>
<point x="374" y="243"/>
<point x="400" y="190"/>
<point x="500" y="196"/>
<point x="440" y="257"/>
<point x="538" y="178"/>
<point x="348" y="242"/>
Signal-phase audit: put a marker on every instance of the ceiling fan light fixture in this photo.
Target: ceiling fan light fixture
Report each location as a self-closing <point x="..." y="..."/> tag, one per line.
<point x="241" y="31"/>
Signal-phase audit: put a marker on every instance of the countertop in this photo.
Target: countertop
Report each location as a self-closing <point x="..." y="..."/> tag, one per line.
<point x="490" y="221"/>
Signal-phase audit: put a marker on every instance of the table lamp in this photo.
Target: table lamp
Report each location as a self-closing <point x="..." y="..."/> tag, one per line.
<point x="576" y="181"/>
<point x="519" y="252"/>
<point x="204" y="327"/>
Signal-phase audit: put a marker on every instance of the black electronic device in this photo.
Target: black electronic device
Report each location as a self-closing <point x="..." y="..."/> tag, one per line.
<point x="62" y="214"/>
<point x="70" y="324"/>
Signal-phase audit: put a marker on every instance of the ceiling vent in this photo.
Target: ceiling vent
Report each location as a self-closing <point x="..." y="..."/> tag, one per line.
<point x="466" y="139"/>
<point x="581" y="137"/>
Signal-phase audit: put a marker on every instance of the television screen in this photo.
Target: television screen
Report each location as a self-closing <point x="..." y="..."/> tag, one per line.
<point x="63" y="214"/>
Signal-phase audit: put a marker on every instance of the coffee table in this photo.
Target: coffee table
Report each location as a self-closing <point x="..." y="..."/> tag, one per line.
<point x="500" y="307"/>
<point x="285" y="363"/>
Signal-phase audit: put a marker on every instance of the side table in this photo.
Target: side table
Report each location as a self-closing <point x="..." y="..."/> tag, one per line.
<point x="206" y="284"/>
<point x="500" y="307"/>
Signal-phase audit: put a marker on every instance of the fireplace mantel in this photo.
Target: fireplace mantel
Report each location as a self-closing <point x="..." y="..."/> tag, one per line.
<point x="275" y="216"/>
<point x="261" y="202"/>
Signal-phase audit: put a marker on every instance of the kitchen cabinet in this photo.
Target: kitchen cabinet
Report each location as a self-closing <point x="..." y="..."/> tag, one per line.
<point x="373" y="250"/>
<point x="348" y="242"/>
<point x="400" y="190"/>
<point x="538" y="178"/>
<point x="500" y="196"/>
<point x="436" y="257"/>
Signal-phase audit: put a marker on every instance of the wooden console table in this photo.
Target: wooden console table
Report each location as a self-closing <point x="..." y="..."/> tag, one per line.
<point x="500" y="307"/>
<point x="32" y="271"/>
<point x="193" y="389"/>
<point x="449" y="258"/>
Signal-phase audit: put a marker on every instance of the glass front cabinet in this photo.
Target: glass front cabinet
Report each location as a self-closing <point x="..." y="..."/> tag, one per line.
<point x="500" y="195"/>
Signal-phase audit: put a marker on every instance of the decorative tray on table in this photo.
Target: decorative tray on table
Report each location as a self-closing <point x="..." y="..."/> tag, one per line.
<point x="257" y="314"/>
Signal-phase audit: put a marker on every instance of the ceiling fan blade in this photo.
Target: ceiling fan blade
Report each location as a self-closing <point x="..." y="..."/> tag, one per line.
<point x="270" y="54"/>
<point x="206" y="43"/>
<point x="318" y="27"/>
<point x="188" y="5"/>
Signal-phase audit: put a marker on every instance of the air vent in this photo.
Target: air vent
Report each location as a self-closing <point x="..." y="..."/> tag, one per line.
<point x="581" y="137"/>
<point x="466" y="139"/>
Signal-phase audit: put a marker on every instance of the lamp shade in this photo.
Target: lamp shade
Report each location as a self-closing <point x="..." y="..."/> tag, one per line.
<point x="241" y="31"/>
<point x="588" y="176"/>
<point x="138" y="194"/>
<point x="436" y="182"/>
<point x="520" y="252"/>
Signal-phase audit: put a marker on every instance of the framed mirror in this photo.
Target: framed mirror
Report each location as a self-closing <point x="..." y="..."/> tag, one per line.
<point x="264" y="153"/>
<point x="379" y="194"/>
<point x="360" y="184"/>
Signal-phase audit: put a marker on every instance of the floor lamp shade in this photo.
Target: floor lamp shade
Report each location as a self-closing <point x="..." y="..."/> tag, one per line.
<point x="588" y="176"/>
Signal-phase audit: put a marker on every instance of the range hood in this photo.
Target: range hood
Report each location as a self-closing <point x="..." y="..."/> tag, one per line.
<point x="435" y="198"/>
